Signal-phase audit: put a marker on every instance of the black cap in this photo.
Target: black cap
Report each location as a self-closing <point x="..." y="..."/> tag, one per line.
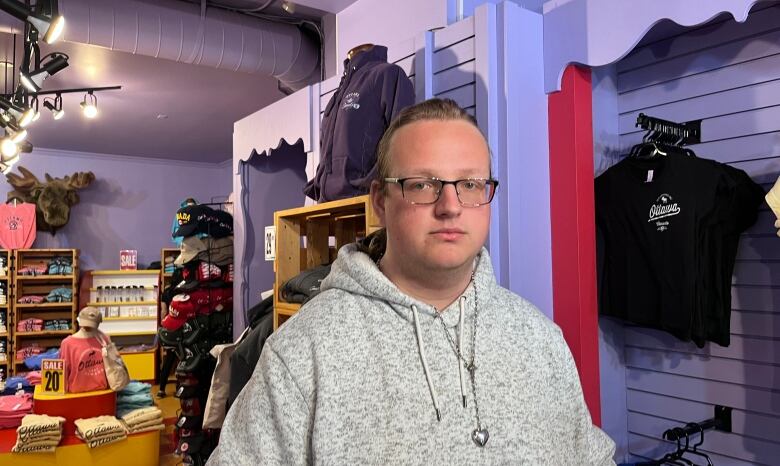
<point x="191" y="219"/>
<point x="220" y="224"/>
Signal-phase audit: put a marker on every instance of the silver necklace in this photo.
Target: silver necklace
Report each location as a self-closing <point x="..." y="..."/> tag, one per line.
<point x="479" y="435"/>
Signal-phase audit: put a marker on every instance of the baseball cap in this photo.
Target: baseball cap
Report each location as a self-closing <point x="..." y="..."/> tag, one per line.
<point x="190" y="248"/>
<point x="220" y="224"/>
<point x="218" y="251"/>
<point x="89" y="317"/>
<point x="192" y="219"/>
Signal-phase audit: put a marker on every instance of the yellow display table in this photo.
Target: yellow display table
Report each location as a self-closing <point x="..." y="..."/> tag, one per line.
<point x="137" y="450"/>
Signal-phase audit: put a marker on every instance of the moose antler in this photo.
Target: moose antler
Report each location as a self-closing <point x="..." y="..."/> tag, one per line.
<point x="23" y="183"/>
<point x="79" y="180"/>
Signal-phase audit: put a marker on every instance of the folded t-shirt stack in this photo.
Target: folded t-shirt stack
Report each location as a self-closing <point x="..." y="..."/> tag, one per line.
<point x="13" y="408"/>
<point x="38" y="433"/>
<point x="143" y="420"/>
<point x="99" y="431"/>
<point x="134" y="396"/>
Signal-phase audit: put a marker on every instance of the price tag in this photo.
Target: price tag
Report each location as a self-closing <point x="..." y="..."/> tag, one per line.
<point x="53" y="376"/>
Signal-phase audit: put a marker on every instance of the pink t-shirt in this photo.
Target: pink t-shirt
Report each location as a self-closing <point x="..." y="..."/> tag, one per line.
<point x="84" y="370"/>
<point x="17" y="225"/>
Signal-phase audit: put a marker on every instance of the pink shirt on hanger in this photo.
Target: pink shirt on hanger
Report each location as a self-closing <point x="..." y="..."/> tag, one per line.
<point x="17" y="225"/>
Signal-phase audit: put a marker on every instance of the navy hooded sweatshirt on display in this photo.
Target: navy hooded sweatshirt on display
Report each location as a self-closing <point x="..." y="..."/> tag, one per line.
<point x="370" y="94"/>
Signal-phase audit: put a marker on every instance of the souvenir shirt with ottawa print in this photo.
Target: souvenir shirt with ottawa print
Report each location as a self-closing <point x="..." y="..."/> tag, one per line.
<point x="651" y="213"/>
<point x="84" y="369"/>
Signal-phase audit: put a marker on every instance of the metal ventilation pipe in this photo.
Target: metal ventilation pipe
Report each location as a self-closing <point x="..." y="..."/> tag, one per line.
<point x="176" y="31"/>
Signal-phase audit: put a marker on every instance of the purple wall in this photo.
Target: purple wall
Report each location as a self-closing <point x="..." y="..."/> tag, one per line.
<point x="271" y="183"/>
<point x="386" y="23"/>
<point x="129" y="206"/>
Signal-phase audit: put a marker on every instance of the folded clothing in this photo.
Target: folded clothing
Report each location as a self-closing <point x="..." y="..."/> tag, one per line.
<point x="31" y="299"/>
<point x="100" y="430"/>
<point x="34" y="362"/>
<point x="13" y="408"/>
<point x="36" y="269"/>
<point x="30" y="325"/>
<point x="142" y="417"/>
<point x="134" y="388"/>
<point x="38" y="431"/>
<point x="56" y="324"/>
<point x="33" y="377"/>
<point x="60" y="265"/>
<point x="27" y="351"/>
<point x="60" y="294"/>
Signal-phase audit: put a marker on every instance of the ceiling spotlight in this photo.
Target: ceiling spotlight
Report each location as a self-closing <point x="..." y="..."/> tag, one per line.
<point x="289" y="7"/>
<point x="89" y="105"/>
<point x="24" y="116"/>
<point x="8" y="149"/>
<point x="55" y="106"/>
<point x="34" y="79"/>
<point x="50" y="27"/>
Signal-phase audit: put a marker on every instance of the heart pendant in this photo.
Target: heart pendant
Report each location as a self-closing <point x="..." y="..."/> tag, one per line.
<point x="480" y="437"/>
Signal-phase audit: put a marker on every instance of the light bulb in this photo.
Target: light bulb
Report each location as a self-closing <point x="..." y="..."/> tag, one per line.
<point x="8" y="148"/>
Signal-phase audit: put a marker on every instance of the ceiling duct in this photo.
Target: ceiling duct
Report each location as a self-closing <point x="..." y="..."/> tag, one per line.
<point x="176" y="31"/>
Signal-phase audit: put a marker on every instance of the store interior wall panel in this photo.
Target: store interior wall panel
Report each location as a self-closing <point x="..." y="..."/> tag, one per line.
<point x="386" y="23"/>
<point x="130" y="205"/>
<point x="273" y="183"/>
<point x="726" y="74"/>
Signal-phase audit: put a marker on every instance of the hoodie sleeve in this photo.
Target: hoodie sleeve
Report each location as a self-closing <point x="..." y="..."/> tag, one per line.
<point x="269" y="421"/>
<point x="397" y="92"/>
<point x="591" y="444"/>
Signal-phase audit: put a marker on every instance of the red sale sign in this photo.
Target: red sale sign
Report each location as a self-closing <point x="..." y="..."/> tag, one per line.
<point x="128" y="259"/>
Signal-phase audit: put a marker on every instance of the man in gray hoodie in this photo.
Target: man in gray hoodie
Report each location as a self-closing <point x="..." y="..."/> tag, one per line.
<point x="412" y="353"/>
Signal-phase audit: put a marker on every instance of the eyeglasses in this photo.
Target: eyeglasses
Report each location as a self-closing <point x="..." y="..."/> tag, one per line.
<point x="472" y="192"/>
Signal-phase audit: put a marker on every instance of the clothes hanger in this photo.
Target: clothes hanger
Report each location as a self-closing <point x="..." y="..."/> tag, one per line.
<point x="694" y="451"/>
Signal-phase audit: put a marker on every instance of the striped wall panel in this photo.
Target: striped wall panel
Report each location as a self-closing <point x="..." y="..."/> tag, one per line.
<point x="454" y="74"/>
<point x="728" y="75"/>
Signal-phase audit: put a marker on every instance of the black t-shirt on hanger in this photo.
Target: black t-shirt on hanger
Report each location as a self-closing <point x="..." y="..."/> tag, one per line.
<point x="651" y="212"/>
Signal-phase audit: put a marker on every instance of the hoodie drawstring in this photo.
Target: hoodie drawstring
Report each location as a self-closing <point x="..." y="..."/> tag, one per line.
<point x="460" y="351"/>
<point x="421" y="347"/>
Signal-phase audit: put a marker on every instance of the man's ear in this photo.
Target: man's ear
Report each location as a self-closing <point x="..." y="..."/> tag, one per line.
<point x="377" y="195"/>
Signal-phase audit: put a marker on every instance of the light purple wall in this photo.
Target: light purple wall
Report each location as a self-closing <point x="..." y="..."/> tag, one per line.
<point x="386" y="22"/>
<point x="129" y="206"/>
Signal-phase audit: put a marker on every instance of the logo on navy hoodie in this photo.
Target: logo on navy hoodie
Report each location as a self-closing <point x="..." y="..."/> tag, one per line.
<point x="351" y="101"/>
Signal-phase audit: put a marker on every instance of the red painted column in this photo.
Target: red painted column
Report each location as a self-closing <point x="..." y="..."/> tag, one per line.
<point x="573" y="227"/>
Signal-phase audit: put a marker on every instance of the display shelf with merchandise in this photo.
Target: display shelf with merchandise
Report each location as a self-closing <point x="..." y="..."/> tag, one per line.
<point x="6" y="314"/>
<point x="129" y="302"/>
<point x="46" y="283"/>
<point x="323" y="229"/>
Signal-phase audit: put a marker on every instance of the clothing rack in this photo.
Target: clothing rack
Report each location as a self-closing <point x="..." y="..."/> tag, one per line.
<point x="684" y="133"/>
<point x="721" y="422"/>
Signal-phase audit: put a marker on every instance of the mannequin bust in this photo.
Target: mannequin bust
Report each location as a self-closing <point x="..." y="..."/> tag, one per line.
<point x="83" y="354"/>
<point x="354" y="51"/>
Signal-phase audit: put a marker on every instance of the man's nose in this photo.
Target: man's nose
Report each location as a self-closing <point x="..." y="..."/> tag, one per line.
<point x="448" y="203"/>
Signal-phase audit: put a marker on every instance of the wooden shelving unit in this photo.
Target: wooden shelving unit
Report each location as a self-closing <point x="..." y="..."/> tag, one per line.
<point x="326" y="227"/>
<point x="6" y="315"/>
<point x="23" y="285"/>
<point x="129" y="301"/>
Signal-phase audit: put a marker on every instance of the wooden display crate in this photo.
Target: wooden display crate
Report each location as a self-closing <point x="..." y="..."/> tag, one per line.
<point x="310" y="236"/>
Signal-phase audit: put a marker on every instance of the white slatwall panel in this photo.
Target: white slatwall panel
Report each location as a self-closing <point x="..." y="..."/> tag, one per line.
<point x="454" y="74"/>
<point x="727" y="74"/>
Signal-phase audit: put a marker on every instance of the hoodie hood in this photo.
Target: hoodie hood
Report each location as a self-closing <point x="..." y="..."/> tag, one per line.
<point x="354" y="272"/>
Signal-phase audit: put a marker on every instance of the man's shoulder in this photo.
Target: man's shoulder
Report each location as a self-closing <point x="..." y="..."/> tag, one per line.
<point x="319" y="319"/>
<point x="516" y="310"/>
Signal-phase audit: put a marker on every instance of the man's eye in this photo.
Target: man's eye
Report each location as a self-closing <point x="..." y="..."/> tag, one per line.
<point x="420" y="186"/>
<point x="471" y="185"/>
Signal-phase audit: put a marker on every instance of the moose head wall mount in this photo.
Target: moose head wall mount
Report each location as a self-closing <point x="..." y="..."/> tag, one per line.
<point x="53" y="199"/>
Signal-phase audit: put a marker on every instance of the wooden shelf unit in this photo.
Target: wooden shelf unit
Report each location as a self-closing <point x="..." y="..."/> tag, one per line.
<point x="6" y="313"/>
<point x="310" y="236"/>
<point x="41" y="285"/>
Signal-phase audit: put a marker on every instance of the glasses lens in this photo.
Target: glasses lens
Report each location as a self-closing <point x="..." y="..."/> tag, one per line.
<point x="421" y="190"/>
<point x="474" y="192"/>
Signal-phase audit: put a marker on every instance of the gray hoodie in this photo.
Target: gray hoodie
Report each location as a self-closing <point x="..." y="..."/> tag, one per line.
<point x="343" y="382"/>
